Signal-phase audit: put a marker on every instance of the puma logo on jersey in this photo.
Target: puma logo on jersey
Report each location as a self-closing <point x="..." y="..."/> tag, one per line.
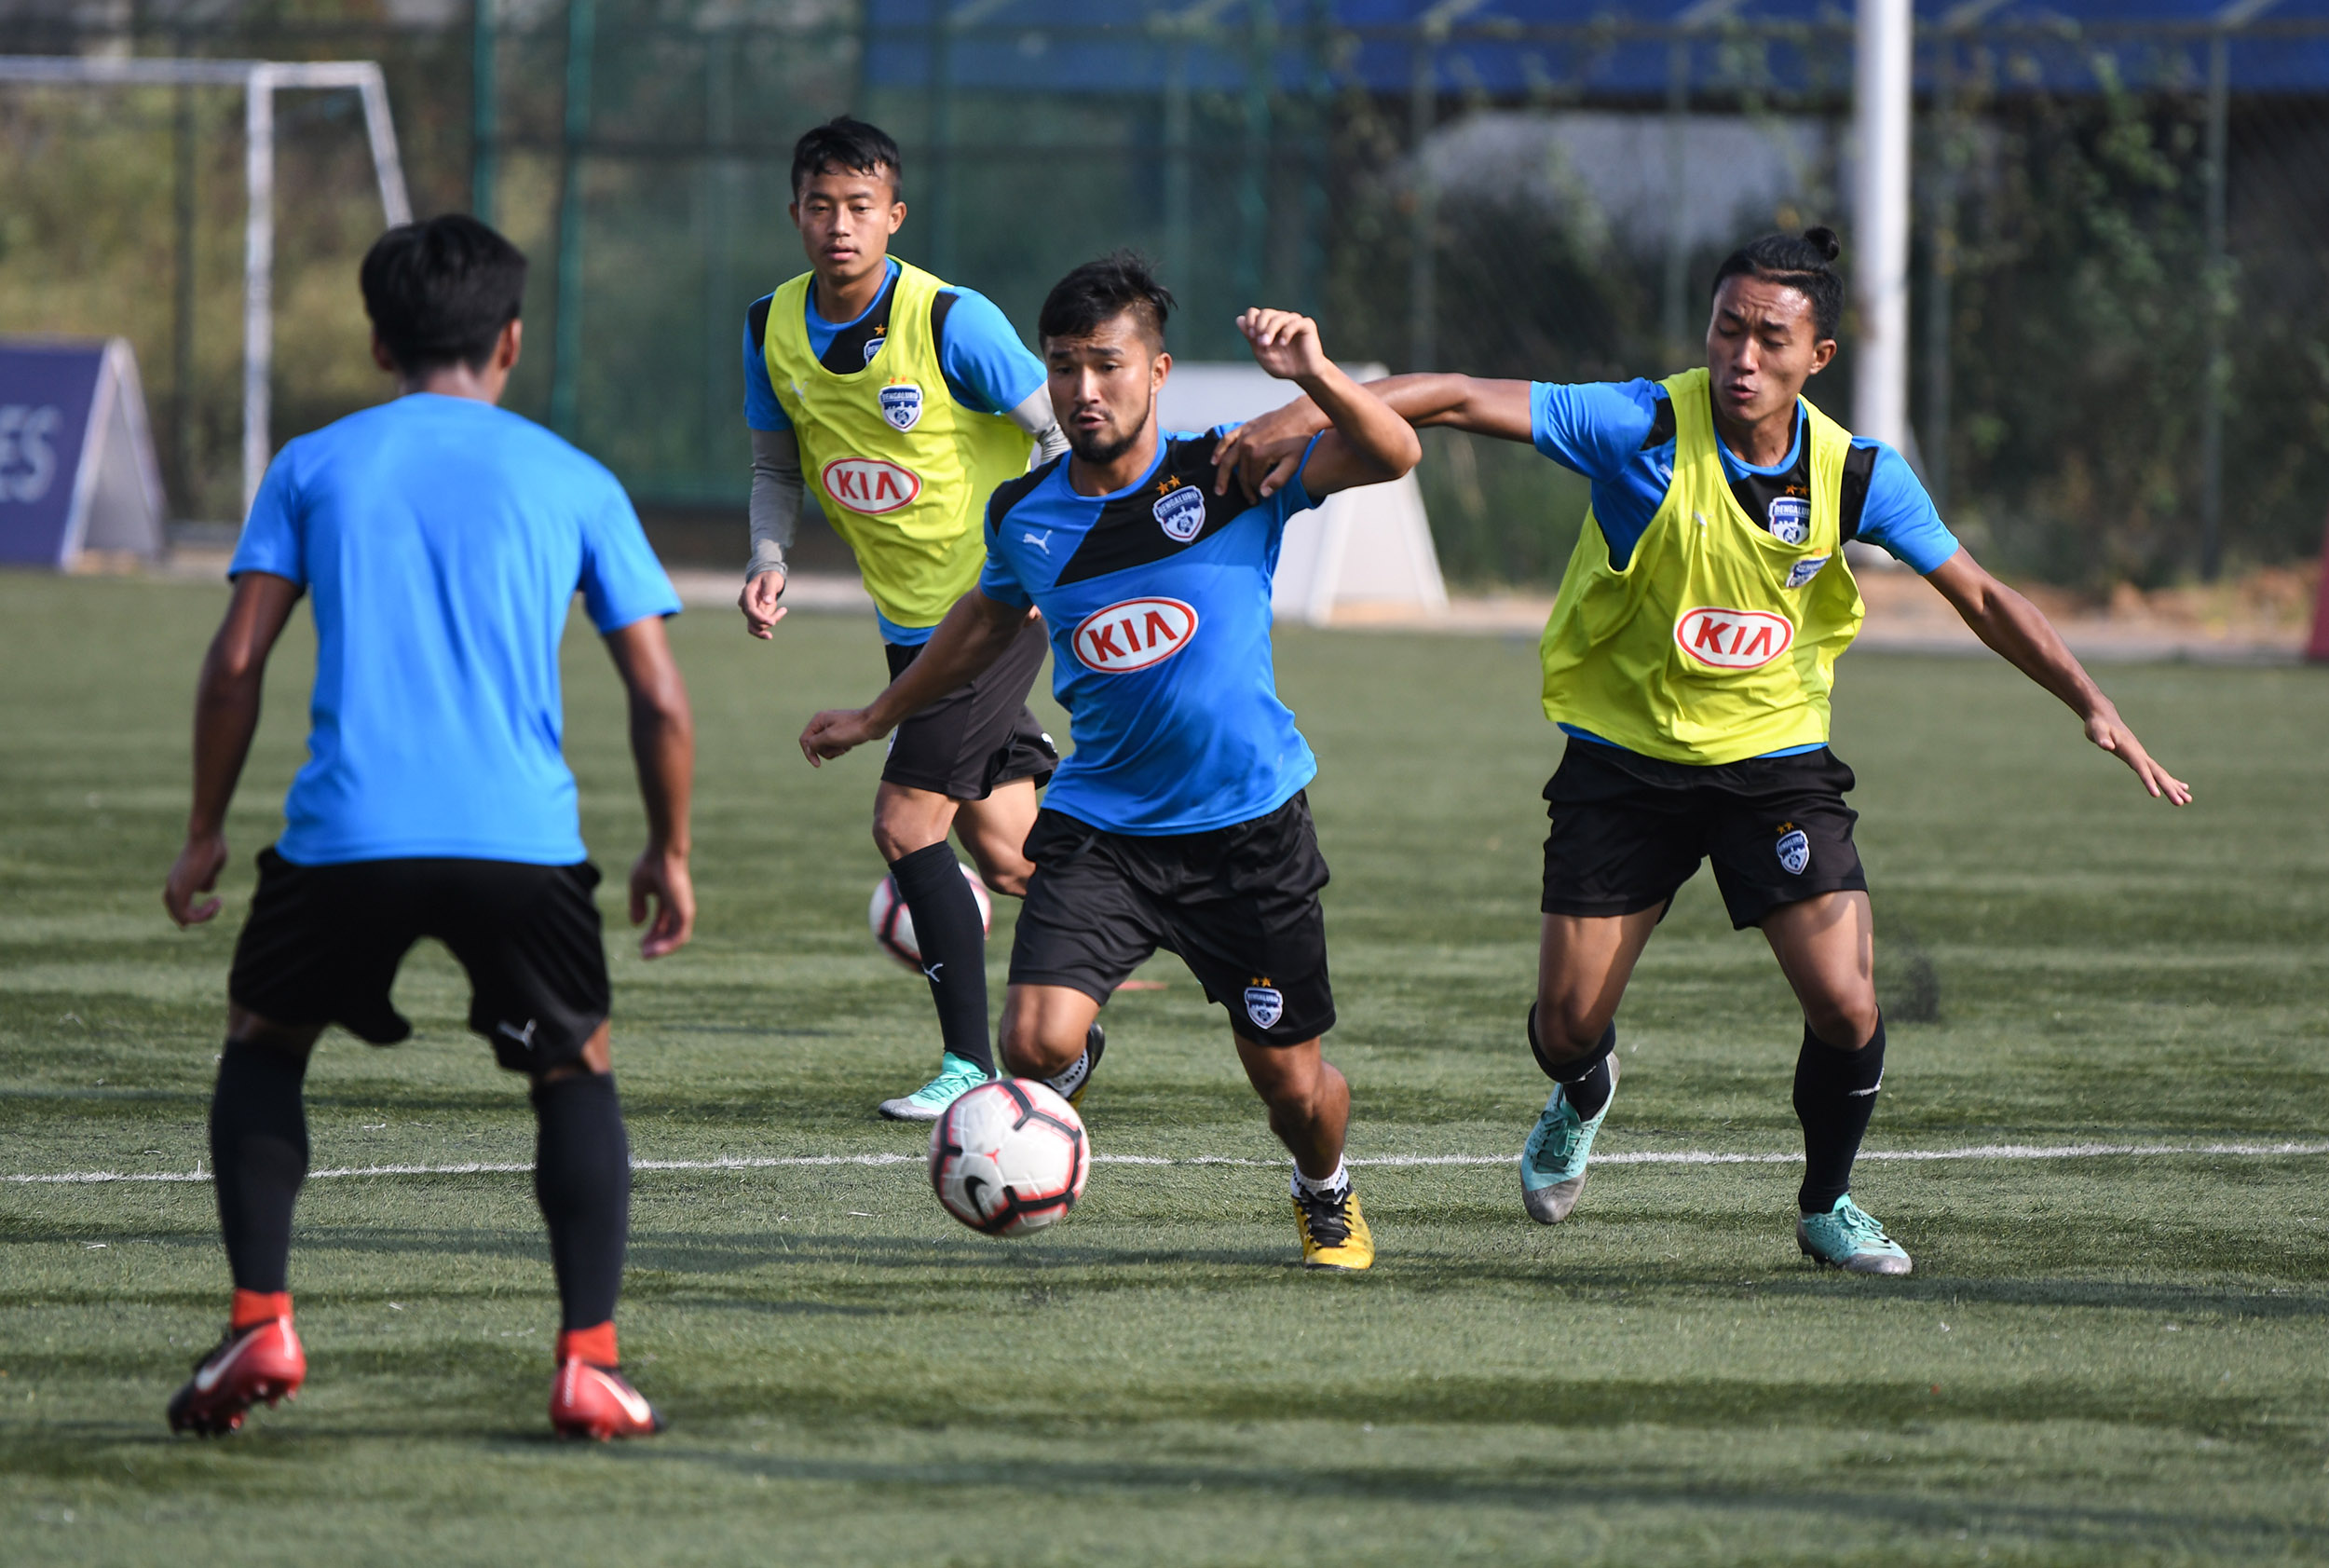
<point x="1133" y="635"/>
<point x="1731" y="639"/>
<point x="872" y="486"/>
<point x="1041" y="542"/>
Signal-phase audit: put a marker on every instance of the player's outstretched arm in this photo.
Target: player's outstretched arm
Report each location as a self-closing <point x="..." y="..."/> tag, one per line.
<point x="663" y="746"/>
<point x="976" y="633"/>
<point x="2014" y="627"/>
<point x="1262" y="454"/>
<point x="226" y="716"/>
<point x="774" y="515"/>
<point x="1368" y="443"/>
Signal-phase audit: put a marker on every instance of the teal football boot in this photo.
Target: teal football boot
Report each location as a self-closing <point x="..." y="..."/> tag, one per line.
<point x="1849" y="1237"/>
<point x="1552" y="1162"/>
<point x="957" y="1077"/>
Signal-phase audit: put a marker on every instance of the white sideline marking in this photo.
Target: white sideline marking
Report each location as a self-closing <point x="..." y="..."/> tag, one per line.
<point x="1634" y="1157"/>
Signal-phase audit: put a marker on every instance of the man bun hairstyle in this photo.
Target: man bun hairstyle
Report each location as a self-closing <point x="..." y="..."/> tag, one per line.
<point x="1799" y="264"/>
<point x="843" y="145"/>
<point x="1101" y="290"/>
<point x="438" y="292"/>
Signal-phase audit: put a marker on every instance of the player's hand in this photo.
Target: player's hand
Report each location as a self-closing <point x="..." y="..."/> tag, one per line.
<point x="1263" y="454"/>
<point x="195" y="871"/>
<point x="1285" y="343"/>
<point x="2109" y="732"/>
<point x="758" y="601"/>
<point x="660" y="882"/>
<point x="836" y="732"/>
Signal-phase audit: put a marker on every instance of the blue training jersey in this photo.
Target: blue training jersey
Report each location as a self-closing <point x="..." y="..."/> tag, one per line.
<point x="442" y="542"/>
<point x="1620" y="435"/>
<point x="1157" y="598"/>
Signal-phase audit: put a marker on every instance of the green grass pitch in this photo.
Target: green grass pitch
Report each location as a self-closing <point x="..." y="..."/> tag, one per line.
<point x="2108" y="1359"/>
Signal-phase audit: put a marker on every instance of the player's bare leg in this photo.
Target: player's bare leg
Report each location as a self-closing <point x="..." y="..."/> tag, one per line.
<point x="1310" y="1110"/>
<point x="1583" y="964"/>
<point x="1826" y="947"/>
<point x="910" y="827"/>
<point x="1053" y="1033"/>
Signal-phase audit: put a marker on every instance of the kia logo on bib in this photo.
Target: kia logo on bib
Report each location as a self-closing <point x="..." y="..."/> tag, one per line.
<point x="1730" y="639"/>
<point x="1133" y="635"/>
<point x="870" y="486"/>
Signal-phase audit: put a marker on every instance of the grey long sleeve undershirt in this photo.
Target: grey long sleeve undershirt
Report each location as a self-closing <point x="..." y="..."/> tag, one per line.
<point x="777" y="485"/>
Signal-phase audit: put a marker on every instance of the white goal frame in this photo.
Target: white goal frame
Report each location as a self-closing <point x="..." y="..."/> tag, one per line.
<point x="259" y="80"/>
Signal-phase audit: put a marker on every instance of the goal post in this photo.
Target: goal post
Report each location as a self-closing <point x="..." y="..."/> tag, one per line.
<point x="260" y="81"/>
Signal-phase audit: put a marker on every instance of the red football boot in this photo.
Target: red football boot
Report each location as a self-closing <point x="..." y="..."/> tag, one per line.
<point x="261" y="1360"/>
<point x="591" y="1401"/>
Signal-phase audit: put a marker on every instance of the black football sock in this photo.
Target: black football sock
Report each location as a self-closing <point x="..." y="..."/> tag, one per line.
<point x="1585" y="1079"/>
<point x="1835" y="1093"/>
<point x="953" y="940"/>
<point x="582" y="1180"/>
<point x="259" y="1151"/>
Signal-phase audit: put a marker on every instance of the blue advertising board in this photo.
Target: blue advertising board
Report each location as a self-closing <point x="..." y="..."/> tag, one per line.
<point x="77" y="478"/>
<point x="48" y="393"/>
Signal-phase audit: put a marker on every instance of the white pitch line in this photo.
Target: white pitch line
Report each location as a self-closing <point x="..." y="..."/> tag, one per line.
<point x="1635" y="1157"/>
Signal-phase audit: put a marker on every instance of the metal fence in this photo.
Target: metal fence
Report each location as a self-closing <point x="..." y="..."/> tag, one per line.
<point x="2121" y="365"/>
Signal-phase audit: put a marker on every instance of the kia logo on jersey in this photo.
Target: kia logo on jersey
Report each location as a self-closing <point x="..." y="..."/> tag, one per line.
<point x="1133" y="635"/>
<point x="1730" y="639"/>
<point x="870" y="486"/>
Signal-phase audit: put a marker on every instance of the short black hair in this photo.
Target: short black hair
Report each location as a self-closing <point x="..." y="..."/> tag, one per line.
<point x="1799" y="264"/>
<point x="438" y="292"/>
<point x="845" y="143"/>
<point x="1101" y="291"/>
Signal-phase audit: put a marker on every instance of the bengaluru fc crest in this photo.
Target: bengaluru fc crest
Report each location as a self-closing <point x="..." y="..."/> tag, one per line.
<point x="1265" y="1004"/>
<point x="1794" y="848"/>
<point x="1180" y="513"/>
<point x="1791" y="519"/>
<point x="901" y="405"/>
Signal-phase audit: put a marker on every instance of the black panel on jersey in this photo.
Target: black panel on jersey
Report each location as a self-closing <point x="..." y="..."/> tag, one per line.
<point x="757" y="320"/>
<point x="1860" y="467"/>
<point x="1126" y="532"/>
<point x="1661" y="426"/>
<point x="1756" y="492"/>
<point x="850" y="348"/>
<point x="1012" y="491"/>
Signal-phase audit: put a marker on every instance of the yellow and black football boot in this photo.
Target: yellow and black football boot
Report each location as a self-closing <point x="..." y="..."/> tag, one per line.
<point x="1334" y="1232"/>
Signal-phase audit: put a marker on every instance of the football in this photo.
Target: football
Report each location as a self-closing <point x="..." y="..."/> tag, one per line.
<point x="892" y="922"/>
<point x="1009" y="1157"/>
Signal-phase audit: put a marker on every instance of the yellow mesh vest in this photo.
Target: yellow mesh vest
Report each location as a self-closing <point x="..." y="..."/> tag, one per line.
<point x="902" y="470"/>
<point x="1716" y="641"/>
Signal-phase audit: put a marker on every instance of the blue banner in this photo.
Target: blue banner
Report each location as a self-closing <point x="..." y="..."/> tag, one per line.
<point x="46" y="393"/>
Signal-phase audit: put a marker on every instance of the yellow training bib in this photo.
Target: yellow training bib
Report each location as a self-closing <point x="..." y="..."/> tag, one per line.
<point x="902" y="470"/>
<point x="1717" y="639"/>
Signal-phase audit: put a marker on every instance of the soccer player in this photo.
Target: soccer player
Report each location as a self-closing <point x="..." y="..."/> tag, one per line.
<point x="903" y="401"/>
<point x="442" y="541"/>
<point x="1689" y="659"/>
<point x="1180" y="821"/>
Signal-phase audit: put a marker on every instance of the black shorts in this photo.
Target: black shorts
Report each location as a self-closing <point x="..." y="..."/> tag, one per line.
<point x="977" y="736"/>
<point x="1239" y="905"/>
<point x="1629" y="830"/>
<point x="323" y="943"/>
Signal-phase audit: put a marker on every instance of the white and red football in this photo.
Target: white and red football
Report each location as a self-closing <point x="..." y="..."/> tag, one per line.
<point x="1009" y="1157"/>
<point x="892" y="922"/>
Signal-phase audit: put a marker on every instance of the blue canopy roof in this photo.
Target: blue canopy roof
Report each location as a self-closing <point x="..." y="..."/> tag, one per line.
<point x="1593" y="49"/>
